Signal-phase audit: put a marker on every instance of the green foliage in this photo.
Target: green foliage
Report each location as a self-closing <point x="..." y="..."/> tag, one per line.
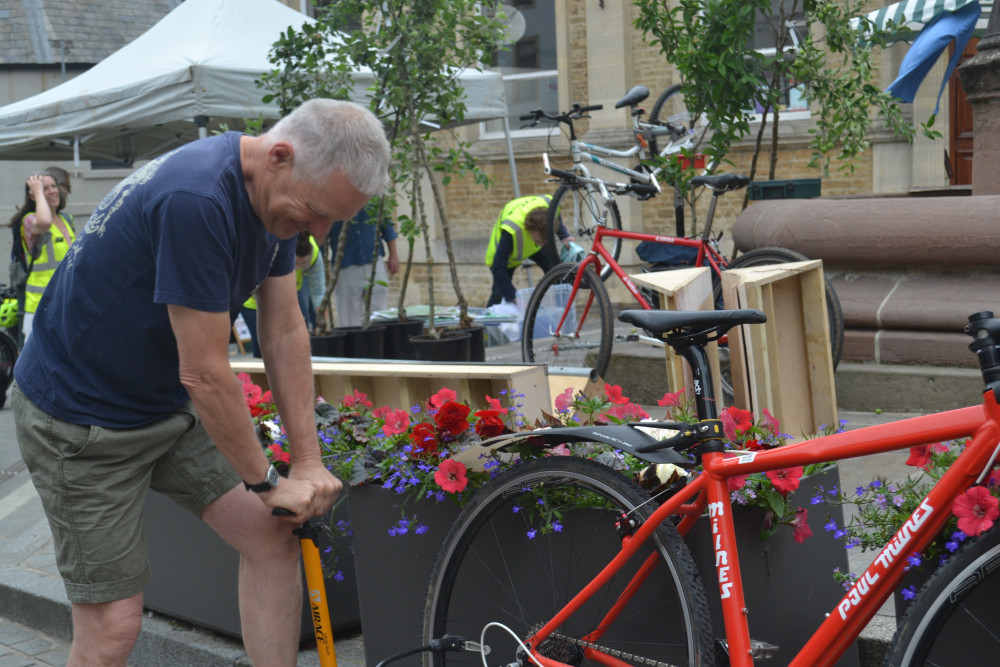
<point x="710" y="45"/>
<point x="415" y="52"/>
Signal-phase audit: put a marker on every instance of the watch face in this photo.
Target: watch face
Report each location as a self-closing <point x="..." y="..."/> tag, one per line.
<point x="272" y="476"/>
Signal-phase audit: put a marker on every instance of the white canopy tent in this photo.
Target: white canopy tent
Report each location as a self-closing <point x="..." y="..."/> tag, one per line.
<point x="194" y="69"/>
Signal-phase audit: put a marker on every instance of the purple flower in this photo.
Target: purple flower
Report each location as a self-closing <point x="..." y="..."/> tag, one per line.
<point x="338" y="575"/>
<point x="909" y="592"/>
<point x="830" y="527"/>
<point x="556" y="526"/>
<point x="532" y="533"/>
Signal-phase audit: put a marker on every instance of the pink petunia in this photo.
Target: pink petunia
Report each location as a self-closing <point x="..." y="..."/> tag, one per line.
<point x="564" y="400"/>
<point x="785" y="480"/>
<point x="559" y="450"/>
<point x="380" y="413"/>
<point x="443" y="396"/>
<point x="397" y="421"/>
<point x="976" y="510"/>
<point x="771" y="423"/>
<point x="801" y="525"/>
<point x="451" y="477"/>
<point x="672" y="400"/>
<point x="614" y="395"/>
<point x="627" y="412"/>
<point x="494" y="404"/>
<point x="357" y="398"/>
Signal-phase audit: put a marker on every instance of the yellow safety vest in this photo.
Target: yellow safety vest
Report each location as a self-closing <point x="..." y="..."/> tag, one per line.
<point x="251" y="303"/>
<point x="53" y="250"/>
<point x="511" y="220"/>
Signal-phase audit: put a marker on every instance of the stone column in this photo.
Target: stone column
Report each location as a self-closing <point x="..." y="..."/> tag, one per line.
<point x="980" y="77"/>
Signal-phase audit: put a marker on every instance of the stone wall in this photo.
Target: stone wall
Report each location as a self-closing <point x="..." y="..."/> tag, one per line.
<point x="908" y="270"/>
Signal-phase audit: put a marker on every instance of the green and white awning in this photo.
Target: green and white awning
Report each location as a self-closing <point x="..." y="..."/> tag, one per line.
<point x="910" y="16"/>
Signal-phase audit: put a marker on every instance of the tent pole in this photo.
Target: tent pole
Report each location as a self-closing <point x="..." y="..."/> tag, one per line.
<point x="510" y="157"/>
<point x="202" y="123"/>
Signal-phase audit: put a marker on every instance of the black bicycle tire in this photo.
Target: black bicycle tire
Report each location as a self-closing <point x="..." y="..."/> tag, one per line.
<point x="537" y="574"/>
<point x="8" y="357"/>
<point x="654" y="115"/>
<point x="531" y="348"/>
<point x="967" y="582"/>
<point x="835" y="314"/>
<point x="580" y="229"/>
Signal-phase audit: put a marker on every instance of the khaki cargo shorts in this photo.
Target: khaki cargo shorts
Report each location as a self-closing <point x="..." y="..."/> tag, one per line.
<point x="93" y="483"/>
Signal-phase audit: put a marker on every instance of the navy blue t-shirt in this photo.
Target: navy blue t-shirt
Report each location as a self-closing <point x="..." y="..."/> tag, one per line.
<point x="180" y="231"/>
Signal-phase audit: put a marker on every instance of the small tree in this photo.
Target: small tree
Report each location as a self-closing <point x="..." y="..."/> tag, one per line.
<point x="710" y="43"/>
<point x="415" y="51"/>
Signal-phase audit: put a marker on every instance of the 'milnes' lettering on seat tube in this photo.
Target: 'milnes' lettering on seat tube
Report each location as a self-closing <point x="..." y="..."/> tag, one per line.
<point x="715" y="510"/>
<point x="888" y="555"/>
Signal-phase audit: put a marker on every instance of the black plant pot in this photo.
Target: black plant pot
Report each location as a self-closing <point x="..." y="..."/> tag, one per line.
<point x="450" y="346"/>
<point x="396" y="339"/>
<point x="477" y="342"/>
<point x="361" y="343"/>
<point x="328" y="345"/>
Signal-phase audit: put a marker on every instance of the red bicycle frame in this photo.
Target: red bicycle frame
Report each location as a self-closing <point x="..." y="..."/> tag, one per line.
<point x="846" y="621"/>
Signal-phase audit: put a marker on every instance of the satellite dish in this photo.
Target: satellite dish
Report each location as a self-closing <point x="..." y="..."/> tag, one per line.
<point x="515" y="23"/>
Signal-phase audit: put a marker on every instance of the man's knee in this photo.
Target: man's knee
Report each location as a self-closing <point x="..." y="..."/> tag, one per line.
<point x="106" y="632"/>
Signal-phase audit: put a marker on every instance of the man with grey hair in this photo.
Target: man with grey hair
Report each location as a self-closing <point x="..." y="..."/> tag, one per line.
<point x="125" y="384"/>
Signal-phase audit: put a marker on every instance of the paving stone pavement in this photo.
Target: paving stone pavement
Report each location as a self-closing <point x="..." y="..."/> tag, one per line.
<point x="21" y="646"/>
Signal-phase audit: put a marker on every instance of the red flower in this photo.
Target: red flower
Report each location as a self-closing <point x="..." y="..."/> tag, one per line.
<point x="452" y="418"/>
<point x="920" y="457"/>
<point x="397" y="421"/>
<point x="450" y="476"/>
<point x="671" y="400"/>
<point x="279" y="455"/>
<point x="423" y="439"/>
<point x="382" y="413"/>
<point x="801" y="525"/>
<point x="786" y="479"/>
<point x="357" y="398"/>
<point x="489" y="424"/>
<point x="614" y="394"/>
<point x="627" y="412"/>
<point x="443" y="396"/>
<point x="494" y="404"/>
<point x="742" y="419"/>
<point x="976" y="509"/>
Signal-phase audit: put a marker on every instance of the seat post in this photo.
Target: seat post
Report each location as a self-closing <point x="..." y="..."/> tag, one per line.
<point x="693" y="351"/>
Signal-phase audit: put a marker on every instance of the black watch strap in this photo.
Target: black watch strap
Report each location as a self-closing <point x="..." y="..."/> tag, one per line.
<point x="270" y="481"/>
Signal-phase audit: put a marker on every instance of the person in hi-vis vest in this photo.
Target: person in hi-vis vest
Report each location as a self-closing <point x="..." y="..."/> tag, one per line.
<point x="46" y="236"/>
<point x="519" y="234"/>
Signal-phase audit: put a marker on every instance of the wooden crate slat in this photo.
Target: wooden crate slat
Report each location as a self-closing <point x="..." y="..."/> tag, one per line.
<point x="684" y="289"/>
<point x="403" y="384"/>
<point x="785" y="364"/>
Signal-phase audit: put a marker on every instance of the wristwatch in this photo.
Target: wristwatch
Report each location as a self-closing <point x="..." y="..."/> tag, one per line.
<point x="270" y="481"/>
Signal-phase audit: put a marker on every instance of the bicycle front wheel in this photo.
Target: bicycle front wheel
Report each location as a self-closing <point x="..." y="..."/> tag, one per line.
<point x="566" y="329"/>
<point x="954" y="619"/>
<point x="8" y="357"/>
<point x="493" y="568"/>
<point x="579" y="208"/>
<point x="657" y="111"/>
<point x="835" y="316"/>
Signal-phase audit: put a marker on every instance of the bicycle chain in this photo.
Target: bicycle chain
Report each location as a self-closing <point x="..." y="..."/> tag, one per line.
<point x="623" y="655"/>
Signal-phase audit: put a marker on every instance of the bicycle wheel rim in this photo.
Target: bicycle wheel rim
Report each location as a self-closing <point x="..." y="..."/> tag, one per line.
<point x="953" y="620"/>
<point x="579" y="208"/>
<point x="490" y="571"/>
<point x="566" y="330"/>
